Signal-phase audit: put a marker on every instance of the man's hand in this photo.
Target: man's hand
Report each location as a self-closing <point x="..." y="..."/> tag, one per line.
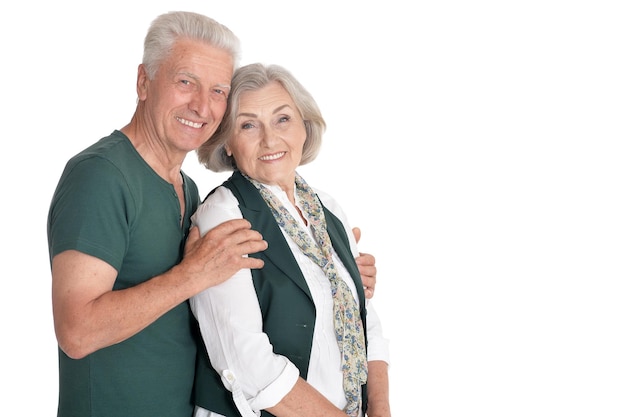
<point x="222" y="251"/>
<point x="367" y="267"/>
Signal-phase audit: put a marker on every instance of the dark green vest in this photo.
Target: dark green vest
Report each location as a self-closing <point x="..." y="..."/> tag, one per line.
<point x="286" y="304"/>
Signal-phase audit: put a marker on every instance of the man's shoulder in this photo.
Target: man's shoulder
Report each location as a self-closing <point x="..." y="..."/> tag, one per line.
<point x="114" y="146"/>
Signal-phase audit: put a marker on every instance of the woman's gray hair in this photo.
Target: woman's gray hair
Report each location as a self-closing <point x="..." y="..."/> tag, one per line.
<point x="168" y="28"/>
<point x="212" y="153"/>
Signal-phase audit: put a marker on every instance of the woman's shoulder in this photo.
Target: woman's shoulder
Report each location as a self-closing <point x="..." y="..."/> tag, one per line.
<point x="330" y="202"/>
<point x="219" y="206"/>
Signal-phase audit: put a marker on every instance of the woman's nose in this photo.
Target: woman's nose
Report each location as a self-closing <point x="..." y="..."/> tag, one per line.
<point x="268" y="135"/>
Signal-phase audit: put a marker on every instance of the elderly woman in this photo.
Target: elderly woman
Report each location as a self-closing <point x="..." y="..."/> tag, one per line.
<point x="295" y="338"/>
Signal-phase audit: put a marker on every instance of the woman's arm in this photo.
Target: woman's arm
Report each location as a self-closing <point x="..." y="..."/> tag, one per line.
<point x="231" y="323"/>
<point x="378" y="345"/>
<point x="378" y="389"/>
<point x="305" y="401"/>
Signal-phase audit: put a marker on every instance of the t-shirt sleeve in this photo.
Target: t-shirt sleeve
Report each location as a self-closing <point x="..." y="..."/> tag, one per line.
<point x="91" y="211"/>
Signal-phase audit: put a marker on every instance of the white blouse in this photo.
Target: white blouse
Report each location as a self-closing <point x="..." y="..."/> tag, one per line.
<point x="231" y="323"/>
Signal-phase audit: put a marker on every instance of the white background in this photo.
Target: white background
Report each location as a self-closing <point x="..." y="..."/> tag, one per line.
<point x="480" y="145"/>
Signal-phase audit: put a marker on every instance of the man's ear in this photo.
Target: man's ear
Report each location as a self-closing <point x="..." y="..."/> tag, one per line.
<point x="142" y="82"/>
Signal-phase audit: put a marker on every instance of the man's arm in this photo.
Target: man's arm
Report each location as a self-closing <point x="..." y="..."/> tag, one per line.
<point x="89" y="315"/>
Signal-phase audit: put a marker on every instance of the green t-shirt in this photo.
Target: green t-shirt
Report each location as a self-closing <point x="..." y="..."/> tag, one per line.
<point x="110" y="204"/>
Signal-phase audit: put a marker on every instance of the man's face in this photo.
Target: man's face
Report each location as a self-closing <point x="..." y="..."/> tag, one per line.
<point x="186" y="100"/>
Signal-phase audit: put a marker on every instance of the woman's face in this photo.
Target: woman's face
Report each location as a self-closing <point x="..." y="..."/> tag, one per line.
<point x="268" y="137"/>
